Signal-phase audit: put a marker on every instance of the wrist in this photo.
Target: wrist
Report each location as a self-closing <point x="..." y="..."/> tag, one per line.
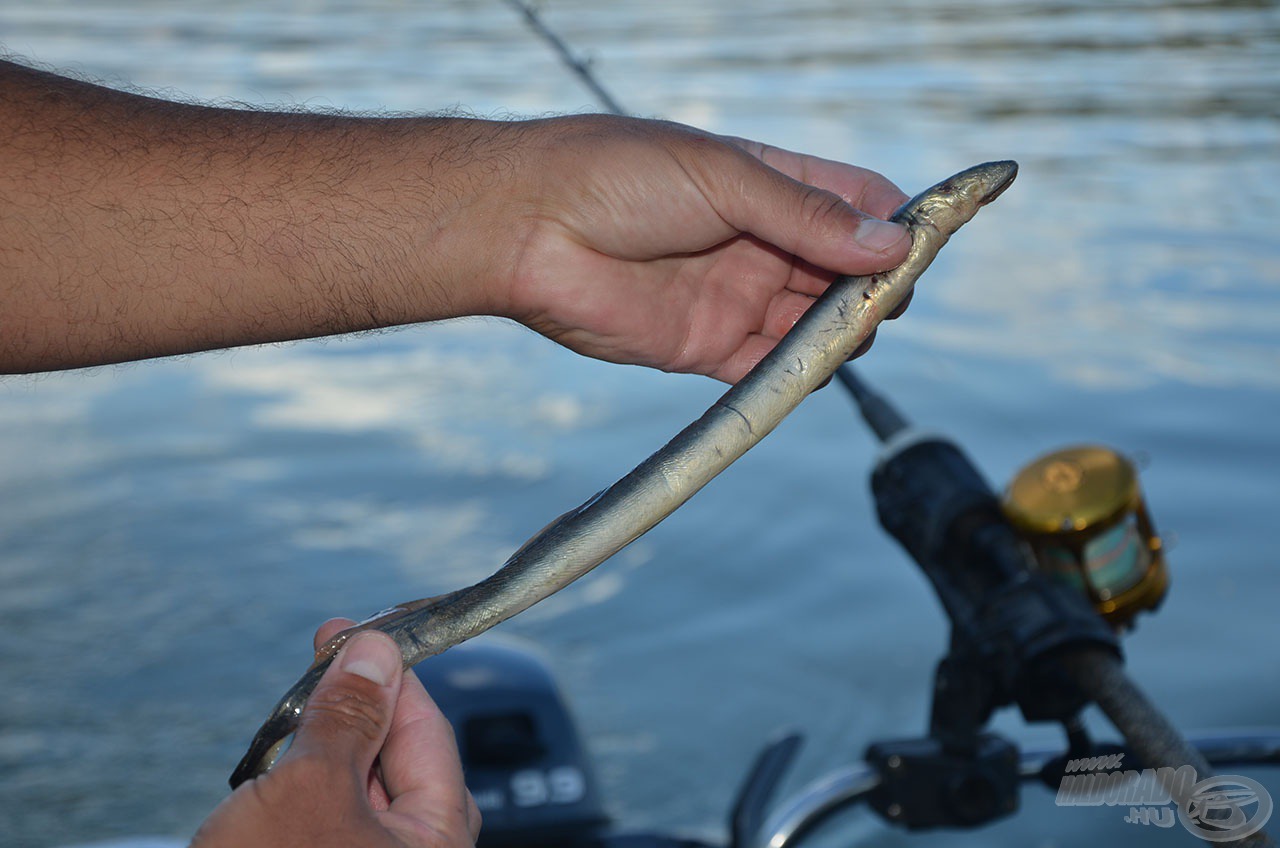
<point x="555" y="192"/>
<point x="463" y="186"/>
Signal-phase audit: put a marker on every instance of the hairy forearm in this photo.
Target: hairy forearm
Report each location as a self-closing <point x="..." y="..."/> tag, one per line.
<point x="132" y="227"/>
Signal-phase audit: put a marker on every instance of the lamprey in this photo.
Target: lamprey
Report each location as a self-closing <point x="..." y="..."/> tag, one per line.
<point x="824" y="337"/>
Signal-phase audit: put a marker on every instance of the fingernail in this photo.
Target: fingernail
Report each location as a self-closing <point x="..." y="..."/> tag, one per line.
<point x="370" y="656"/>
<point x="877" y="235"/>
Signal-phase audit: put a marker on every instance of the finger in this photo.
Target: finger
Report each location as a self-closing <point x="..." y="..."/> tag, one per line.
<point x="348" y="716"/>
<point x="783" y="312"/>
<point x="902" y="306"/>
<point x="377" y="793"/>
<point x="862" y="188"/>
<point x="474" y="819"/>
<point x="864" y="347"/>
<point x="807" y="278"/>
<point x="329" y="629"/>
<point x="747" y="356"/>
<point x="420" y="764"/>
<point x="812" y="223"/>
<point x="379" y="798"/>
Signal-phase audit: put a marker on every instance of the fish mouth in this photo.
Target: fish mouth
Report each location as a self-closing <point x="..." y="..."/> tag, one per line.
<point x="1011" y="172"/>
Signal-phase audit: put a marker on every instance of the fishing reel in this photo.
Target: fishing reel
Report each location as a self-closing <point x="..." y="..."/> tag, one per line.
<point x="1052" y="569"/>
<point x="1082" y="512"/>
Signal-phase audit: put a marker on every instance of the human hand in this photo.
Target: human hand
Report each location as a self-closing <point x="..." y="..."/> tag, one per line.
<point x="657" y="244"/>
<point x="137" y="228"/>
<point x="374" y="763"/>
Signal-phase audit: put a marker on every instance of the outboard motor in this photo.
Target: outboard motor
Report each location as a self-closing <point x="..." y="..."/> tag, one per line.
<point x="524" y="761"/>
<point x="527" y="767"/>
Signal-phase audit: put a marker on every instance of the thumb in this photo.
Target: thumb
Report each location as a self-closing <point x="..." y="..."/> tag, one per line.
<point x="808" y="221"/>
<point x="348" y="716"/>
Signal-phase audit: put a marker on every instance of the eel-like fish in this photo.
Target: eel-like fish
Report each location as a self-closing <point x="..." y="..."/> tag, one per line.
<point x="824" y="337"/>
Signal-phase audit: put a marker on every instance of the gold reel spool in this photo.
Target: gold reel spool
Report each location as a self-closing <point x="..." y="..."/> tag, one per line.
<point x="1082" y="511"/>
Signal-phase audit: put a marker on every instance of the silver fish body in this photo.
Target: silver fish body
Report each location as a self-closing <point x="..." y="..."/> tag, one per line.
<point x="824" y="338"/>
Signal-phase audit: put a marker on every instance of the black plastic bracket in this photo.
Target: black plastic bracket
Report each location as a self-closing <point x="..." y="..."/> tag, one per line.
<point x="923" y="786"/>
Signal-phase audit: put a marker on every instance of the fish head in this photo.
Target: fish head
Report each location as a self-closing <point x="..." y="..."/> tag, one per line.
<point x="955" y="200"/>
<point x="984" y="183"/>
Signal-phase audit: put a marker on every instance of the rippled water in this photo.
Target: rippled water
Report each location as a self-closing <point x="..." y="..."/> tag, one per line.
<point x="172" y="530"/>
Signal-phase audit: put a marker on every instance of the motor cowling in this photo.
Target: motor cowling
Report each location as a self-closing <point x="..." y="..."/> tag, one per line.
<point x="524" y="761"/>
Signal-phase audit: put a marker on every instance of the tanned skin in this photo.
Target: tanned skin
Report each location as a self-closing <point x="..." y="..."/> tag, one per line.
<point x="132" y="227"/>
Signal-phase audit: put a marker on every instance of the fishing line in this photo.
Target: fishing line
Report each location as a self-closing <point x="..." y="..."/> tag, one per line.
<point x="580" y="67"/>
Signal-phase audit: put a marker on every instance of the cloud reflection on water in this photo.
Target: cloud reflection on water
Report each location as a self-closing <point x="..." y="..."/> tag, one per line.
<point x="461" y="399"/>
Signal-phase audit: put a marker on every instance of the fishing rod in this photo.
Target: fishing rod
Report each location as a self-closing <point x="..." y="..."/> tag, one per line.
<point x="1035" y="608"/>
<point x="580" y="67"/>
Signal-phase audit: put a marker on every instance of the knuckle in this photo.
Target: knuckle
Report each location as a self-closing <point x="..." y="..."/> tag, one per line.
<point x="300" y="777"/>
<point x="820" y="208"/>
<point x="346" y="711"/>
